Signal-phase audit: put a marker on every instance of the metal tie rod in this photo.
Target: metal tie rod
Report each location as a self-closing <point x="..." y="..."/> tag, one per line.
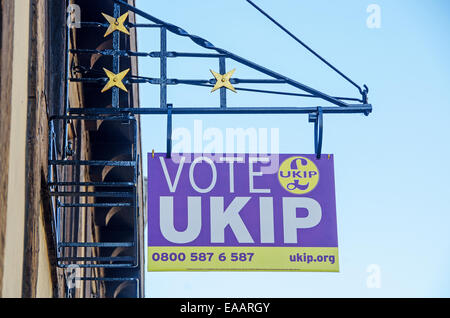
<point x="97" y="259"/>
<point x="93" y="194"/>
<point x="93" y="184"/>
<point x="305" y="46"/>
<point x="96" y="244"/>
<point x="92" y="163"/>
<point x="95" y="205"/>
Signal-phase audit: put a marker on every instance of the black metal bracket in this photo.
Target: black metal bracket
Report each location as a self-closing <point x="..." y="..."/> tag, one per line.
<point x="169" y="131"/>
<point x="317" y="119"/>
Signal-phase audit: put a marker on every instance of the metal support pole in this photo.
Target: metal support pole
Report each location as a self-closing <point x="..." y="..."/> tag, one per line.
<point x="317" y="119"/>
<point x="169" y="131"/>
<point x="223" y="90"/>
<point x="163" y="75"/>
<point x="136" y="192"/>
<point x="357" y="109"/>
<point x="116" y="58"/>
<point x="66" y="87"/>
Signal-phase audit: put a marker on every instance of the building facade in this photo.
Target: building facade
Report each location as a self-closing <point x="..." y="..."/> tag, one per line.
<point x="71" y="192"/>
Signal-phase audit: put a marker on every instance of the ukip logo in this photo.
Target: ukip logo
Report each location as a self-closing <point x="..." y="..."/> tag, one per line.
<point x="298" y="175"/>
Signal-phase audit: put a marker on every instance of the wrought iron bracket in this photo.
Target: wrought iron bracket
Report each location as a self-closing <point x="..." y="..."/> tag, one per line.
<point x="317" y="119"/>
<point x="169" y="131"/>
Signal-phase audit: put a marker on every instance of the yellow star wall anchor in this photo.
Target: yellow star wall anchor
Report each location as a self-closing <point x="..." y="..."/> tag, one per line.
<point x="116" y="24"/>
<point x="115" y="80"/>
<point x="223" y="80"/>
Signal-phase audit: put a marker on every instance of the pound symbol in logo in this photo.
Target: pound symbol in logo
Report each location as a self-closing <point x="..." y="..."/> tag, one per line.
<point x="298" y="175"/>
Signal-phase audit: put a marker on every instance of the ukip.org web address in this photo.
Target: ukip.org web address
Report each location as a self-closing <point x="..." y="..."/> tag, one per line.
<point x="308" y="258"/>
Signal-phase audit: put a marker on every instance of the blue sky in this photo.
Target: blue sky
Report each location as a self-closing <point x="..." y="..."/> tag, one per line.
<point x="392" y="170"/>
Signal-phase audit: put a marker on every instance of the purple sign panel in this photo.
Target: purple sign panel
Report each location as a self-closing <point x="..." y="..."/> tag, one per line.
<point x="242" y="212"/>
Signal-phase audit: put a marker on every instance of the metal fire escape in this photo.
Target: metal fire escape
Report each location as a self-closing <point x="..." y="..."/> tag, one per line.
<point x="106" y="197"/>
<point x="111" y="192"/>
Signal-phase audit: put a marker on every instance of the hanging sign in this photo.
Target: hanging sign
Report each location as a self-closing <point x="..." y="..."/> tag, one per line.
<point x="241" y="212"/>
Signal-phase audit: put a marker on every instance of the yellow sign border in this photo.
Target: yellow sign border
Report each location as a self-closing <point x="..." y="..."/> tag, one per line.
<point x="308" y="259"/>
